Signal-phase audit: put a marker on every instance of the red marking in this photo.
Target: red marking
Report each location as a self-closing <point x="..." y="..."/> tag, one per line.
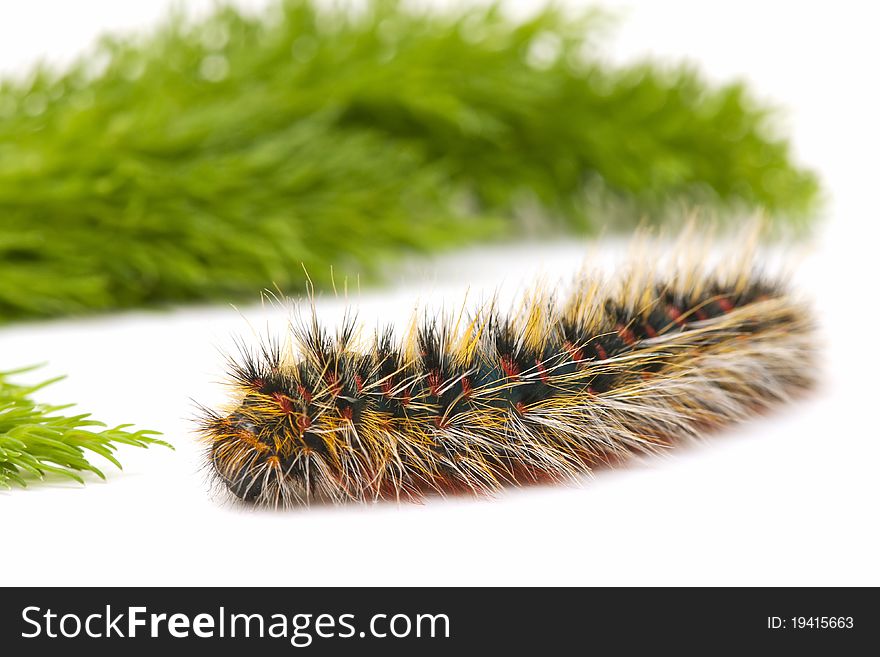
<point x="386" y="387"/>
<point x="440" y="423"/>
<point x="724" y="304"/>
<point x="542" y="371"/>
<point x="521" y="408"/>
<point x="406" y="399"/>
<point x="576" y="353"/>
<point x="303" y="421"/>
<point x="257" y="383"/>
<point x="600" y="351"/>
<point x="510" y="368"/>
<point x="333" y="383"/>
<point x="591" y="390"/>
<point x="466" y="387"/>
<point x="305" y="394"/>
<point x="359" y="382"/>
<point x="650" y="330"/>
<point x="675" y="315"/>
<point x="626" y="335"/>
<point x="346" y="413"/>
<point x="700" y="314"/>
<point x="284" y="402"/>
<point x="434" y="382"/>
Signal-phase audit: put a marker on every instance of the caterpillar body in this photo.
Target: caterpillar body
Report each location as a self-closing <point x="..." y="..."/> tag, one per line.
<point x="626" y="365"/>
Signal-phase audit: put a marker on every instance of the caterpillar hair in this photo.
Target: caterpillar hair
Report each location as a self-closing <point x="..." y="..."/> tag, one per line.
<point x="669" y="348"/>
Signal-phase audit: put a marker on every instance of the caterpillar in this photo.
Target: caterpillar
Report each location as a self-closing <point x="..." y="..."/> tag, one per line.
<point x="669" y="348"/>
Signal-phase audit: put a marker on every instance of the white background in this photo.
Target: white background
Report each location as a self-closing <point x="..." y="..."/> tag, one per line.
<point x="787" y="499"/>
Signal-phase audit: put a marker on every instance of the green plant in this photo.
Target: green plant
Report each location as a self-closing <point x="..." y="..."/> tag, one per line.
<point x="214" y="157"/>
<point x="35" y="440"/>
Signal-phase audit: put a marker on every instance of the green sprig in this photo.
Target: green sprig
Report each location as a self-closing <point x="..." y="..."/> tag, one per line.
<point x="36" y="440"/>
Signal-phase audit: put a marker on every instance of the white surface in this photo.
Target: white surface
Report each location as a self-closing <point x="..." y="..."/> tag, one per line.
<point x="786" y="499"/>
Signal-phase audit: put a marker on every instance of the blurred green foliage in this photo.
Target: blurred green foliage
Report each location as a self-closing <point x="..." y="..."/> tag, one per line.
<point x="211" y="158"/>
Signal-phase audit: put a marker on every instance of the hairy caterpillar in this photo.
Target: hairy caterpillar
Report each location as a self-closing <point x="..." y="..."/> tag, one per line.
<point x="666" y="350"/>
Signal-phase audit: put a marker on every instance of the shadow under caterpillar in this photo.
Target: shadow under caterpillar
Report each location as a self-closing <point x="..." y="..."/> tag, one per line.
<point x="630" y="364"/>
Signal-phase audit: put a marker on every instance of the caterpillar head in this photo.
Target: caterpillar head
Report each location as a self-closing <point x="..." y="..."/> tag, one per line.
<point x="289" y="441"/>
<point x="267" y="452"/>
